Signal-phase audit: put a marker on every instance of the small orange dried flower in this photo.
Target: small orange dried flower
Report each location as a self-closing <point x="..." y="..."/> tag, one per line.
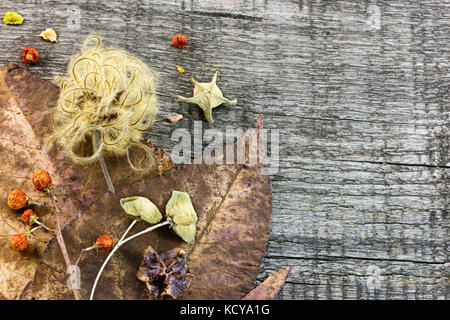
<point x="104" y="242"/>
<point x="30" y="55"/>
<point x="19" y="242"/>
<point x="17" y="199"/>
<point x="179" y="41"/>
<point x="41" y="180"/>
<point x="27" y="214"/>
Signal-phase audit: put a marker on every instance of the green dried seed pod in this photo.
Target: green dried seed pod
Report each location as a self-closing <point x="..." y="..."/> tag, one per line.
<point x="181" y="213"/>
<point x="187" y="233"/>
<point x="142" y="208"/>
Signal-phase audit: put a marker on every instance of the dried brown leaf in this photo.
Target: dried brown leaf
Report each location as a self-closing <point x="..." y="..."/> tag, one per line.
<point x="233" y="203"/>
<point x="269" y="288"/>
<point x="26" y="99"/>
<point x="20" y="156"/>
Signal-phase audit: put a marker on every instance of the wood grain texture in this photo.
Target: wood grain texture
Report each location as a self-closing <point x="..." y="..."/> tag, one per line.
<point x="362" y="105"/>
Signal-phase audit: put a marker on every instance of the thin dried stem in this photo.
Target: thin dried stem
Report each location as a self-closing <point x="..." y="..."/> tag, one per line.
<point x="62" y="244"/>
<point x="82" y="252"/>
<point x="101" y="159"/>
<point x="44" y="226"/>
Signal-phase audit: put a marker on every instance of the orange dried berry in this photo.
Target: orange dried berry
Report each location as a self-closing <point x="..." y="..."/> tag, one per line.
<point x="19" y="242"/>
<point x="27" y="214"/>
<point x="30" y="55"/>
<point x="17" y="199"/>
<point x="104" y="242"/>
<point x="179" y="41"/>
<point x="41" y="180"/>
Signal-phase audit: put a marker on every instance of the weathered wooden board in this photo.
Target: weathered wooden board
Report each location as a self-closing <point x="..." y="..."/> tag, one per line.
<point x="359" y="91"/>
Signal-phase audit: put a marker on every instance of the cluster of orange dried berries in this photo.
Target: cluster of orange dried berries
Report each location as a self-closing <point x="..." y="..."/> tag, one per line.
<point x="17" y="199"/>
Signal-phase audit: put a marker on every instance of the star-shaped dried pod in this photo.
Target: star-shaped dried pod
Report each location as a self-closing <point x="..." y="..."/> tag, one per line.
<point x="207" y="96"/>
<point x="165" y="274"/>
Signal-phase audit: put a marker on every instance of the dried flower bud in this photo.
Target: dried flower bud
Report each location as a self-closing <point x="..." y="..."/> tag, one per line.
<point x="181" y="213"/>
<point x="41" y="180"/>
<point x="29" y="216"/>
<point x="12" y="18"/>
<point x="179" y="41"/>
<point x="19" y="242"/>
<point x="104" y="242"/>
<point x="142" y="208"/>
<point x="17" y="199"/>
<point x="207" y="96"/>
<point x="29" y="55"/>
<point x="49" y="34"/>
<point x="165" y="274"/>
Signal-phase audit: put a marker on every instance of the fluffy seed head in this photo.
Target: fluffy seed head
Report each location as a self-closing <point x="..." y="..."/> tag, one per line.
<point x="108" y="91"/>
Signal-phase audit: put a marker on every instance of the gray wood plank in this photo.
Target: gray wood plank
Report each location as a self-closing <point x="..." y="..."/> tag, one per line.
<point x="359" y="92"/>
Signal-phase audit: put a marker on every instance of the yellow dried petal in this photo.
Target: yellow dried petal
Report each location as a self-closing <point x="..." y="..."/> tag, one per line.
<point x="49" y="34"/>
<point x="12" y="18"/>
<point x="180" y="69"/>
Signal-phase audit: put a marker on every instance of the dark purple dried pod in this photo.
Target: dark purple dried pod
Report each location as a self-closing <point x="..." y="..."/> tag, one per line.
<point x="165" y="274"/>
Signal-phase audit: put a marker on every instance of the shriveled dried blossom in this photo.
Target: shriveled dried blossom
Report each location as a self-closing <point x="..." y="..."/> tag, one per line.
<point x="166" y="273"/>
<point x="49" y="34"/>
<point x="179" y="41"/>
<point x="29" y="55"/>
<point x="19" y="241"/>
<point x="29" y="216"/>
<point x="104" y="242"/>
<point x="41" y="180"/>
<point x="17" y="199"/>
<point x="12" y="18"/>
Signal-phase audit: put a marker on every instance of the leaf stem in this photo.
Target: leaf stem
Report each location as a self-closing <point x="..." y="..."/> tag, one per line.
<point x="101" y="159"/>
<point x="119" y="244"/>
